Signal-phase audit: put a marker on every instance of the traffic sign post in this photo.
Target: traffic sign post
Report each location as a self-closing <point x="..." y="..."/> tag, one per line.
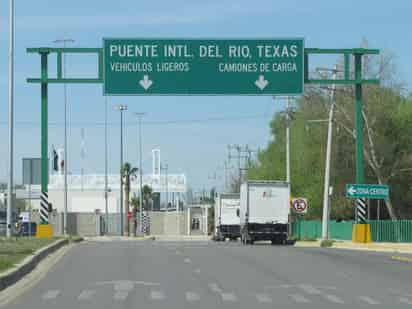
<point x="300" y="205"/>
<point x="370" y="191"/>
<point x="203" y="67"/>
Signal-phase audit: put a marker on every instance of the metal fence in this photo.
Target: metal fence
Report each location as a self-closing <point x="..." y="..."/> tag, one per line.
<point x="382" y="231"/>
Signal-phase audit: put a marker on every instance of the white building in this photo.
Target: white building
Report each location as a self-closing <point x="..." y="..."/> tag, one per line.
<point x="86" y="193"/>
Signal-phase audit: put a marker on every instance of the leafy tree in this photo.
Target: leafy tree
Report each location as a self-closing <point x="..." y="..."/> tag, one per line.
<point x="387" y="115"/>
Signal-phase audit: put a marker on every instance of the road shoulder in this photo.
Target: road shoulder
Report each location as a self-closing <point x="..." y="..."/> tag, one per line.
<point x="40" y="268"/>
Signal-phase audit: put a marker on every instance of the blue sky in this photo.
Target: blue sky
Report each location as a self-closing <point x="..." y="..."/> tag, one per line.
<point x="195" y="148"/>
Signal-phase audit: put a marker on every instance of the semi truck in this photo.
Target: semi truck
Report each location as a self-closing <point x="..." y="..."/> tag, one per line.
<point x="264" y="211"/>
<point x="227" y="216"/>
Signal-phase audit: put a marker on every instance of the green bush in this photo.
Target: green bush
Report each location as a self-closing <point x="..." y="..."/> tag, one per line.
<point x="326" y="243"/>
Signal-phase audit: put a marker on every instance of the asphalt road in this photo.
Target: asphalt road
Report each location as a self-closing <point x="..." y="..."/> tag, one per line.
<point x="176" y="275"/>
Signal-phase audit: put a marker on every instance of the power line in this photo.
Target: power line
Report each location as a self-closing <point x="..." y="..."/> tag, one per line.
<point x="160" y="122"/>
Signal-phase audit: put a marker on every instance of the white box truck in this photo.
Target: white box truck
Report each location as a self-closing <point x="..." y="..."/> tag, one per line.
<point x="227" y="221"/>
<point x="264" y="211"/>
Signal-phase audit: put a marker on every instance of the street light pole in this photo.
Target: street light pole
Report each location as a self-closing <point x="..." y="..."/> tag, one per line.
<point x="106" y="167"/>
<point x="10" y="201"/>
<point x="167" y="187"/>
<point x="139" y="117"/>
<point x="64" y="41"/>
<point x="121" y="108"/>
<point x="326" y="210"/>
<point x="287" y="140"/>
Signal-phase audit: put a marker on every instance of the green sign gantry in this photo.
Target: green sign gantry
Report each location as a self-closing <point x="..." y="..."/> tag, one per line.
<point x="203" y="67"/>
<point x="271" y="83"/>
<point x="370" y="191"/>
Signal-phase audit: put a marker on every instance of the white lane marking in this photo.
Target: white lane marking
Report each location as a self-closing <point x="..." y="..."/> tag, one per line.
<point x="405" y="300"/>
<point x="51" y="294"/>
<point x="197" y="271"/>
<point x="228" y="297"/>
<point x="282" y="286"/>
<point x="309" y="289"/>
<point x="333" y="299"/>
<point x="124" y="283"/>
<point x="157" y="295"/>
<point x="124" y="286"/>
<point x="264" y="298"/>
<point x="187" y="260"/>
<point x="191" y="296"/>
<point x="299" y="298"/>
<point x="120" y="295"/>
<point x="369" y="300"/>
<point x="214" y="287"/>
<point x="86" y="294"/>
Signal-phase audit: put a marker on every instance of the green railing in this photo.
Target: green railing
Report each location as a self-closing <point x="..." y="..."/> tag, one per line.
<point x="382" y="231"/>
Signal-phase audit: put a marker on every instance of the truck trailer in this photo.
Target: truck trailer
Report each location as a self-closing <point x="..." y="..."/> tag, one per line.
<point x="264" y="211"/>
<point x="227" y="219"/>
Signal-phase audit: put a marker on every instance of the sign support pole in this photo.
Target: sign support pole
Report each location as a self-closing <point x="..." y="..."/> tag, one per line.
<point x="44" y="202"/>
<point x="359" y="120"/>
<point x="360" y="177"/>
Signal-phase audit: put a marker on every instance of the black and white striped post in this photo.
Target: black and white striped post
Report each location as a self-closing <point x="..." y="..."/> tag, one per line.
<point x="361" y="213"/>
<point x="44" y="208"/>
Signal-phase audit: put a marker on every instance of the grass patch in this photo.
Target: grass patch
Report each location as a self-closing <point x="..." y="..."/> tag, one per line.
<point x="326" y="243"/>
<point x="13" y="251"/>
<point x="75" y="238"/>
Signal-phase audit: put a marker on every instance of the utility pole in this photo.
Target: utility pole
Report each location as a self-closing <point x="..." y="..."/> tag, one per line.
<point x="65" y="41"/>
<point x="243" y="152"/>
<point x="167" y="186"/>
<point x="82" y="155"/>
<point x="139" y="118"/>
<point x="326" y="210"/>
<point x="121" y="108"/>
<point x="106" y="167"/>
<point x="10" y="200"/>
<point x="226" y="169"/>
<point x="237" y="148"/>
<point x="288" y="140"/>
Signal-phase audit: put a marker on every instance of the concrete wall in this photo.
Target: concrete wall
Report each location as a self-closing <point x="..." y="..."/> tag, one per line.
<point x="162" y="223"/>
<point x="83" y="224"/>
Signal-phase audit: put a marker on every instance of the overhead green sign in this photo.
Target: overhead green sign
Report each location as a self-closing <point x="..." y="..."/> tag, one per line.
<point x="203" y="67"/>
<point x="367" y="191"/>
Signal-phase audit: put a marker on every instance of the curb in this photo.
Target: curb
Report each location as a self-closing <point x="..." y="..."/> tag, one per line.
<point x="13" y="275"/>
<point x="351" y="246"/>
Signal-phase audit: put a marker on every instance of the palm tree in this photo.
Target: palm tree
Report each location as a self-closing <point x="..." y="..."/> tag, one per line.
<point x="135" y="201"/>
<point x="127" y="172"/>
<point x="147" y="195"/>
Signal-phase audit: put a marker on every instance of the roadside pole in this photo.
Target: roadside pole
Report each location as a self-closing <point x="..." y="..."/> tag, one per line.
<point x="10" y="200"/>
<point x="121" y="172"/>
<point x="121" y="108"/>
<point x="326" y="210"/>
<point x="65" y="200"/>
<point x="139" y="118"/>
<point x="379" y="218"/>
<point x="106" y="203"/>
<point x="360" y="176"/>
<point x="287" y="140"/>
